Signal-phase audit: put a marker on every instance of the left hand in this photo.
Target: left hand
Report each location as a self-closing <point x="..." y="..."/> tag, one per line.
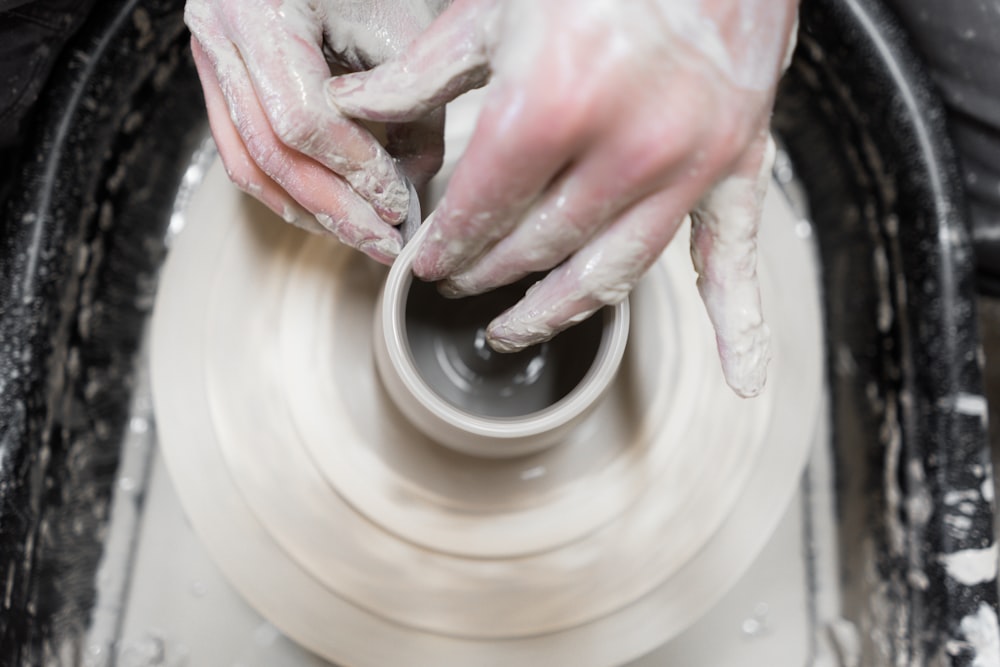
<point x="263" y="65"/>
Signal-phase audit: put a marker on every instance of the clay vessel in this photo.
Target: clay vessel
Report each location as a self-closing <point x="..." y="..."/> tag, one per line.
<point x="435" y="364"/>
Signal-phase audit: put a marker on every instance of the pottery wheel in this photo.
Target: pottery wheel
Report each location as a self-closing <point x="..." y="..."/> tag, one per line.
<point x="373" y="545"/>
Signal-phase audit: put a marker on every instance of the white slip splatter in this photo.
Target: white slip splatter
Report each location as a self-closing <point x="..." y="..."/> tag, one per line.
<point x="982" y="632"/>
<point x="971" y="566"/>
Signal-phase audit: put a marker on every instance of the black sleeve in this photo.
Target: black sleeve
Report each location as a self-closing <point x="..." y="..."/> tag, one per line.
<point x="7" y="5"/>
<point x="960" y="41"/>
<point x="32" y="34"/>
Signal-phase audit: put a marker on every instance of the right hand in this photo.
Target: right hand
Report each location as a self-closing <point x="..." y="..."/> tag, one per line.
<point x="607" y="123"/>
<point x="263" y="65"/>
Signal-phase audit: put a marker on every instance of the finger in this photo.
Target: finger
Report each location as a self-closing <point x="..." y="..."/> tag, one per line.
<point x="240" y="167"/>
<point x="418" y="146"/>
<point x="549" y="233"/>
<point x="602" y="273"/>
<point x="724" y="252"/>
<point x="516" y="150"/>
<point x="335" y="205"/>
<point x="584" y="200"/>
<point x="448" y="59"/>
<point x="559" y="223"/>
<point x="283" y="55"/>
<point x="612" y="174"/>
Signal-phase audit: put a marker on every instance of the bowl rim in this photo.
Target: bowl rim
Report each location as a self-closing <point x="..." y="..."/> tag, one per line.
<point x="577" y="402"/>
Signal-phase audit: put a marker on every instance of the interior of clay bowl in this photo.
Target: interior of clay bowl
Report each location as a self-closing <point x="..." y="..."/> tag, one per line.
<point x="447" y="341"/>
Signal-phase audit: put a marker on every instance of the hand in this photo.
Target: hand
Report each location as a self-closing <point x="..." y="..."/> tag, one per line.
<point x="606" y="124"/>
<point x="263" y="65"/>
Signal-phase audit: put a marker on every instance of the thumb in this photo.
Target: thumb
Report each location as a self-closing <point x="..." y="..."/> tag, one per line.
<point x="446" y="60"/>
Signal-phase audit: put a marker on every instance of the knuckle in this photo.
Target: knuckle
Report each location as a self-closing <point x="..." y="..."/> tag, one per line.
<point x="267" y="154"/>
<point x="646" y="161"/>
<point x="560" y="123"/>
<point x="337" y="225"/>
<point x="609" y="289"/>
<point x="533" y="258"/>
<point x="239" y="175"/>
<point x="730" y="138"/>
<point x="299" y="130"/>
<point x="196" y="16"/>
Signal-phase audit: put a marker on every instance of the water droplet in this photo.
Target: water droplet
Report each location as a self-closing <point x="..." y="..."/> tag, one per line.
<point x="533" y="473"/>
<point x="479" y="344"/>
<point x="756" y="624"/>
<point x="94" y="656"/>
<point x="265" y="634"/>
<point x="150" y="651"/>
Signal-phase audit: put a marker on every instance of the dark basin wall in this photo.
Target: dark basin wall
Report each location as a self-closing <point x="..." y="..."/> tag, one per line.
<point x="868" y="138"/>
<point x="80" y="243"/>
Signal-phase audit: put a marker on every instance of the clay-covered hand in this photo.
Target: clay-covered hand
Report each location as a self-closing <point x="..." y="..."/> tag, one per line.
<point x="263" y="66"/>
<point x="606" y="124"/>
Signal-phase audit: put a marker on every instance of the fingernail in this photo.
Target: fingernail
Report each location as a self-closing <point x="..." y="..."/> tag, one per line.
<point x="304" y="222"/>
<point x="384" y="250"/>
<point x="449" y="290"/>
<point x="427" y="261"/>
<point x="438" y="259"/>
<point x="502" y="338"/>
<point x="457" y="287"/>
<point x="326" y="221"/>
<point x="389" y="211"/>
<point x="745" y="366"/>
<point x="426" y="265"/>
<point x="343" y="86"/>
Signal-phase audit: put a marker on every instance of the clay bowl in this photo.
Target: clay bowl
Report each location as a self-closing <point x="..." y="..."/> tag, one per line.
<point x="434" y="361"/>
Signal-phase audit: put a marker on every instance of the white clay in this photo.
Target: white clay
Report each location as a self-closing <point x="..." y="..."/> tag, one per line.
<point x="724" y="252"/>
<point x="971" y="566"/>
<point x="982" y="632"/>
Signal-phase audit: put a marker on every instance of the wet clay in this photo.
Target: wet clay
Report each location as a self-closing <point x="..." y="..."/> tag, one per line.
<point x="447" y="339"/>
